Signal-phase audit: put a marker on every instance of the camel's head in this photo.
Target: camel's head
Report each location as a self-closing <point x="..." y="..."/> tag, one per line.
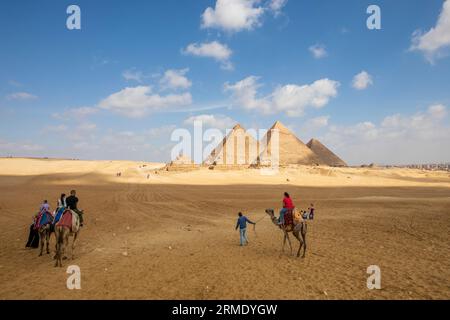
<point x="270" y="212"/>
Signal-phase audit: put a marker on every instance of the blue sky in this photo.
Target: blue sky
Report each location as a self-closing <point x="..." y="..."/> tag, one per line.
<point x="137" y="70"/>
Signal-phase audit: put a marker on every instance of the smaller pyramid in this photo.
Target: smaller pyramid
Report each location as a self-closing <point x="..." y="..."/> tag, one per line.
<point x="325" y="154"/>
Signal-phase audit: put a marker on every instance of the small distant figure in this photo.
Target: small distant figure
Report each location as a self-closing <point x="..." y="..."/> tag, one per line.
<point x="311" y="212"/>
<point x="242" y="225"/>
<point x="148" y="176"/>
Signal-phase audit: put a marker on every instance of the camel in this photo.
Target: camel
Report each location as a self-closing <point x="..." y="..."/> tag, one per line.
<point x="63" y="231"/>
<point x="44" y="236"/>
<point x="299" y="231"/>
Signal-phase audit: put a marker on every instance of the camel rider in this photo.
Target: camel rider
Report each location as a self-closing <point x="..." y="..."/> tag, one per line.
<point x="287" y="205"/>
<point x="242" y="225"/>
<point x="72" y="202"/>
<point x="61" y="207"/>
<point x="45" y="207"/>
<point x="62" y="201"/>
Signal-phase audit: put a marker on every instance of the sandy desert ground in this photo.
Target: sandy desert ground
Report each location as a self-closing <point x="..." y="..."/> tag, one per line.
<point x="172" y="236"/>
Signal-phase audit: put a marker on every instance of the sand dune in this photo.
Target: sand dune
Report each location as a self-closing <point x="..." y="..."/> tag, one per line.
<point x="171" y="235"/>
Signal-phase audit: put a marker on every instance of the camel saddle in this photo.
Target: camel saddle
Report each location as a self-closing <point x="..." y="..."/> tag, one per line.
<point x="70" y="220"/>
<point x="43" y="219"/>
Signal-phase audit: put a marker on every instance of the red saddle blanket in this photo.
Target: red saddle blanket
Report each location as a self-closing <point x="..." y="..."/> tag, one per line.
<point x="66" y="220"/>
<point x="289" y="217"/>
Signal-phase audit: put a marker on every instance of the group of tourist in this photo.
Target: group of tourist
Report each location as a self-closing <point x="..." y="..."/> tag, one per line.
<point x="64" y="203"/>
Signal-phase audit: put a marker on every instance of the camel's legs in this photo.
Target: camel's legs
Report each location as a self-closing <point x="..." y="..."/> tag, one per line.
<point x="284" y="242"/>
<point x="47" y="238"/>
<point x="289" y="241"/>
<point x="41" y="242"/>
<point x="304" y="242"/>
<point x="73" y="244"/>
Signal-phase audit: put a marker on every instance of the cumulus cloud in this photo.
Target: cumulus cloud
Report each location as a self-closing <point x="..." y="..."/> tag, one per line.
<point x="292" y="99"/>
<point x="175" y="79"/>
<point x="212" y="121"/>
<point x="318" y="51"/>
<point x="362" y="80"/>
<point x="140" y="101"/>
<point x="133" y="75"/>
<point x="397" y="139"/>
<point x="434" y="41"/>
<point x="21" y="96"/>
<point x="233" y="15"/>
<point x="215" y="50"/>
<point x="277" y="5"/>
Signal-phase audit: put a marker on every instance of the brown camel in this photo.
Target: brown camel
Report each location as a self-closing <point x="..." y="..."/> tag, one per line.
<point x="299" y="232"/>
<point x="62" y="233"/>
<point x="44" y="236"/>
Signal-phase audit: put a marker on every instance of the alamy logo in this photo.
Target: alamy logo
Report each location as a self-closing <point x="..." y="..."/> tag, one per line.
<point x="73" y="21"/>
<point x="374" y="280"/>
<point x="74" y="280"/>
<point x="374" y="20"/>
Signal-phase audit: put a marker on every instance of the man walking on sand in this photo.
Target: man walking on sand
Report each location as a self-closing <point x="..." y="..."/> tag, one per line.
<point x="242" y="225"/>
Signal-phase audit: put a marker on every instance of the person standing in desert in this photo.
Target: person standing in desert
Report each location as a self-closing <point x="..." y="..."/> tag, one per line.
<point x="242" y="225"/>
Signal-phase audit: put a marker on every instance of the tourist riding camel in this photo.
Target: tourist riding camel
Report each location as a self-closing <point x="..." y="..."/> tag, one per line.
<point x="287" y="205"/>
<point x="61" y="207"/>
<point x="72" y="204"/>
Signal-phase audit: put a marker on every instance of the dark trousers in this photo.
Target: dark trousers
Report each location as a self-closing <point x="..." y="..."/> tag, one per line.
<point x="33" y="238"/>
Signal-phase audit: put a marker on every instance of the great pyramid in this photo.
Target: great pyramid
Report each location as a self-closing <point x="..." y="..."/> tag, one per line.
<point x="238" y="148"/>
<point x="325" y="154"/>
<point x="291" y="149"/>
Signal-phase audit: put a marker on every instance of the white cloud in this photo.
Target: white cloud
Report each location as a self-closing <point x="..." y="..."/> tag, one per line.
<point x="76" y="113"/>
<point x="216" y="50"/>
<point x="277" y="5"/>
<point x="22" y="96"/>
<point x="397" y="139"/>
<point x="318" y="51"/>
<point x="55" y="129"/>
<point x="436" y="39"/>
<point x="319" y="122"/>
<point x="292" y="99"/>
<point x="220" y="122"/>
<point x="133" y="75"/>
<point x="438" y="111"/>
<point x="175" y="79"/>
<point x="233" y="15"/>
<point x="140" y="101"/>
<point x="362" y="81"/>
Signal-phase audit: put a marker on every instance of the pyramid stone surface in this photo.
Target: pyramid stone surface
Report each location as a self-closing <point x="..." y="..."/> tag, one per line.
<point x="325" y="154"/>
<point x="182" y="160"/>
<point x="291" y="149"/>
<point x="238" y="148"/>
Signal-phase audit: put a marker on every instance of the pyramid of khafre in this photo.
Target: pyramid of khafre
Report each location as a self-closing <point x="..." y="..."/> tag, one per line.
<point x="237" y="148"/>
<point x="291" y="149"/>
<point x="325" y="154"/>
